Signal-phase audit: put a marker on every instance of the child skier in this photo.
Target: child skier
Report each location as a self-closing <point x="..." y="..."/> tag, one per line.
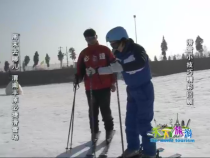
<point x="133" y="62"/>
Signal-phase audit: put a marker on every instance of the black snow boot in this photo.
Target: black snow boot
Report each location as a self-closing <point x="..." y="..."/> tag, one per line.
<point x="94" y="136"/>
<point x="109" y="134"/>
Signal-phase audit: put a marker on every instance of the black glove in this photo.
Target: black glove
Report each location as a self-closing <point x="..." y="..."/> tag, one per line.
<point x="76" y="79"/>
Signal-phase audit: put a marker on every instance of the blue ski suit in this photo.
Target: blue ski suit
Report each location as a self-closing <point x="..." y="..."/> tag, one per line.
<point x="140" y="96"/>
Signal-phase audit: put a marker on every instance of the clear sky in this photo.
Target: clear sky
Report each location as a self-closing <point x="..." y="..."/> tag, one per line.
<point x="45" y="25"/>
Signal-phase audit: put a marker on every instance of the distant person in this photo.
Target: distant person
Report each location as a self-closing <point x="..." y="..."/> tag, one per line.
<point x="133" y="62"/>
<point x="96" y="55"/>
<point x="9" y="89"/>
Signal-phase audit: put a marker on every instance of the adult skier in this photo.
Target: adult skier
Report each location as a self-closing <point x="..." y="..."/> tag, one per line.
<point x="133" y="62"/>
<point x="96" y="55"/>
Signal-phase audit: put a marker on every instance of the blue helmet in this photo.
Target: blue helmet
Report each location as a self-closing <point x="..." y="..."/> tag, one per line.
<point x="116" y="34"/>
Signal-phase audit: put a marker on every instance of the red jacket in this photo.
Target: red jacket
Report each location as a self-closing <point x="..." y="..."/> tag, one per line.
<point x="95" y="56"/>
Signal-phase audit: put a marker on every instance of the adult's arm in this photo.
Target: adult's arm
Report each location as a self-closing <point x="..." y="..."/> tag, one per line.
<point x="81" y="68"/>
<point x="135" y="62"/>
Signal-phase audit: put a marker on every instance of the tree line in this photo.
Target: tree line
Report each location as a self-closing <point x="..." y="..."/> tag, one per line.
<point x="202" y="51"/>
<point x="69" y="54"/>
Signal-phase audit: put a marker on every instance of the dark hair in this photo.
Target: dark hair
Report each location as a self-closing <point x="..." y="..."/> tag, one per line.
<point x="123" y="41"/>
<point x="89" y="33"/>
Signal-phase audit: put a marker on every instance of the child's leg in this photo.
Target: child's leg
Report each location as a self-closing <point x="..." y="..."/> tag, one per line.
<point x="145" y="100"/>
<point x="132" y="135"/>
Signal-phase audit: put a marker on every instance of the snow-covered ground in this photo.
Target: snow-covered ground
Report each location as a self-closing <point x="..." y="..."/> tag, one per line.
<point x="45" y="113"/>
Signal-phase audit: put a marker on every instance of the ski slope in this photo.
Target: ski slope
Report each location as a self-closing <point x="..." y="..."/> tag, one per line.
<point x="45" y="114"/>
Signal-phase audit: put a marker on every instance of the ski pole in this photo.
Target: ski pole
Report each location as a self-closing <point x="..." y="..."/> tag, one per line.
<point x="91" y="108"/>
<point x="72" y="118"/>
<point x="118" y="100"/>
<point x="72" y="125"/>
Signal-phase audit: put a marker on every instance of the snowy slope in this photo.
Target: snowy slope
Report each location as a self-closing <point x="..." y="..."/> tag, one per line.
<point x="45" y="112"/>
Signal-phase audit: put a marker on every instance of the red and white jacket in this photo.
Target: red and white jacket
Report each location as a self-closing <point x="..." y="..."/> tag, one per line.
<point x="95" y="56"/>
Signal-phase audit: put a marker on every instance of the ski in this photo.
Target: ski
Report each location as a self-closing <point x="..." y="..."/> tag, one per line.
<point x="91" y="152"/>
<point x="177" y="155"/>
<point x="162" y="149"/>
<point x="158" y="150"/>
<point x="106" y="148"/>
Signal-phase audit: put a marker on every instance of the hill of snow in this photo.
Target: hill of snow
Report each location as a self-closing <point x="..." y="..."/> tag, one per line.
<point x="45" y="113"/>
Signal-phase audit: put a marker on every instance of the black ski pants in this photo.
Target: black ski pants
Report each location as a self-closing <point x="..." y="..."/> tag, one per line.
<point x="100" y="99"/>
